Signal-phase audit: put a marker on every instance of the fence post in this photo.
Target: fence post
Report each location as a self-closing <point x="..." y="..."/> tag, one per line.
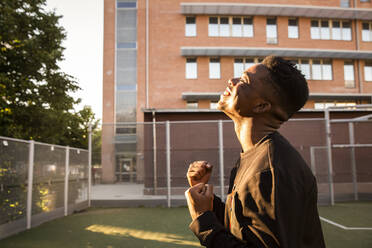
<point x="31" y="153"/>
<point x="67" y="172"/>
<point x="353" y="164"/>
<point x="89" y="164"/>
<point x="220" y="146"/>
<point x="167" y="138"/>
<point x="312" y="160"/>
<point x="329" y="153"/>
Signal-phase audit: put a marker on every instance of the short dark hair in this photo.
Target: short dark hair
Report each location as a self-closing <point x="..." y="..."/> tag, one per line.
<point x="289" y="81"/>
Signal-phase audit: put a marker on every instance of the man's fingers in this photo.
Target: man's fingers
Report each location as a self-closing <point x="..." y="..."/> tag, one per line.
<point x="194" y="175"/>
<point x="209" y="190"/>
<point x="197" y="189"/>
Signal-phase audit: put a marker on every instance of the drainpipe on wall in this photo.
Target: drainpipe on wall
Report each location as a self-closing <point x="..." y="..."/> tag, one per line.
<point x="154" y="150"/>
<point x="147" y="54"/>
<point x="357" y="48"/>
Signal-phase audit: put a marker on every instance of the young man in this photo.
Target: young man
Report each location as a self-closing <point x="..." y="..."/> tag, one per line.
<point x="272" y="200"/>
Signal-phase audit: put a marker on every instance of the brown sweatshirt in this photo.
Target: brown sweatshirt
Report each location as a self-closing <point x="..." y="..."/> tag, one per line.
<point x="272" y="202"/>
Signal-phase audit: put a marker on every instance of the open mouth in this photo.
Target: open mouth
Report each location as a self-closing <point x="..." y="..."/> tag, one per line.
<point x="227" y="92"/>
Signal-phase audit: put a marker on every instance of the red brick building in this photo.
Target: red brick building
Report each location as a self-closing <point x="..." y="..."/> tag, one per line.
<point x="170" y="56"/>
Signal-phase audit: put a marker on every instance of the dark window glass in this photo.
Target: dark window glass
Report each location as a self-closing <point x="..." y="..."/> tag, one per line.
<point x="271" y="21"/>
<point x="315" y="23"/>
<point x="316" y="61"/>
<point x="237" y="20"/>
<point x="248" y="20"/>
<point x="238" y="60"/>
<point x="336" y="24"/>
<point x="214" y="60"/>
<point x="224" y="20"/>
<point x="190" y="20"/>
<point x="346" y="24"/>
<point x="213" y="20"/>
<point x="127" y="5"/>
<point x="325" y="24"/>
<point x="191" y="60"/>
<point x="365" y="26"/>
<point x="127" y="45"/>
<point x="292" y="22"/>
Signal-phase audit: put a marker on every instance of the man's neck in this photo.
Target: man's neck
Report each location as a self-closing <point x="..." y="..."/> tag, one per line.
<point x="251" y="130"/>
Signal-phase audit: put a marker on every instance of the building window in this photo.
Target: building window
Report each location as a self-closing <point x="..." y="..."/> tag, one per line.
<point x="192" y="104"/>
<point x="190" y="27"/>
<point x="247" y="27"/>
<point x="325" y="33"/>
<point x="224" y="27"/>
<point x="230" y="26"/>
<point x="349" y="74"/>
<point x="293" y="28"/>
<point x="330" y="30"/>
<point x="238" y="67"/>
<point x="344" y="4"/>
<point x="271" y="31"/>
<point x="325" y="104"/>
<point x="213" y="104"/>
<point x="242" y="64"/>
<point x="317" y="69"/>
<point x="365" y="1"/>
<point x="368" y="71"/>
<point x="315" y="30"/>
<point x="127" y="4"/>
<point x="191" y="68"/>
<point x="367" y="31"/>
<point x="304" y="66"/>
<point x="326" y="66"/>
<point x="346" y="30"/>
<point x="213" y="27"/>
<point x="237" y="27"/>
<point x="214" y="68"/>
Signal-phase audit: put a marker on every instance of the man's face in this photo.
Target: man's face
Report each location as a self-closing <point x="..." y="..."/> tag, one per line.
<point x="244" y="94"/>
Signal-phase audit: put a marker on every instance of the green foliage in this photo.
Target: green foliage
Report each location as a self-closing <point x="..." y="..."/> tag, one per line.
<point x="35" y="96"/>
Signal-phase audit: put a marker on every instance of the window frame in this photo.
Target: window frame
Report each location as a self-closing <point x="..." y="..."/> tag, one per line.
<point x="190" y="27"/>
<point x="367" y="77"/>
<point x="297" y="33"/>
<point x="369" y="31"/>
<point x="329" y="33"/>
<point x="272" y="40"/>
<point x="214" y="63"/>
<point x="189" y="74"/>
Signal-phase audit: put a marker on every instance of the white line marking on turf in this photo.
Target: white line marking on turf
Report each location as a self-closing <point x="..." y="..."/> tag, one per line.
<point x="344" y="227"/>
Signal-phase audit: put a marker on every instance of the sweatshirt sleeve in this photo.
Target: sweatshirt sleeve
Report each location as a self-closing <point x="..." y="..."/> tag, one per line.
<point x="213" y="235"/>
<point x="219" y="209"/>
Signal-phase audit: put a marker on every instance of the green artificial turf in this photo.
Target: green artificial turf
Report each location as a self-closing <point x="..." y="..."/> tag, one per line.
<point x="113" y="228"/>
<point x="163" y="227"/>
<point x="349" y="215"/>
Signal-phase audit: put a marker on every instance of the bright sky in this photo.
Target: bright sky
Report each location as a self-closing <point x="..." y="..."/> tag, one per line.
<point x="83" y="22"/>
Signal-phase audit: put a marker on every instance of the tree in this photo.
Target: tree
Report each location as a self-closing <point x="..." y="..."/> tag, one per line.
<point x="35" y="96"/>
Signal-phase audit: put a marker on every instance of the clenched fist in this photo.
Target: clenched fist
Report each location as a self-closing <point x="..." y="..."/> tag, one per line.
<point x="199" y="199"/>
<point x="199" y="172"/>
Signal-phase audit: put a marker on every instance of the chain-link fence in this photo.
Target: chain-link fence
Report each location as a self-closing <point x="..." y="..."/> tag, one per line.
<point x="156" y="155"/>
<point x="39" y="182"/>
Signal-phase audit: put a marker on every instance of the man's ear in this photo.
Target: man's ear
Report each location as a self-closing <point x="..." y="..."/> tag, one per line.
<point x="262" y="107"/>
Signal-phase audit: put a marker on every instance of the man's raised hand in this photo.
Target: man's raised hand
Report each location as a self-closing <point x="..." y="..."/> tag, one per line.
<point x="199" y="172"/>
<point x="199" y="199"/>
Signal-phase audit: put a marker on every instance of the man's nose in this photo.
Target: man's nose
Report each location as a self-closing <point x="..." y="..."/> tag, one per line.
<point x="233" y="81"/>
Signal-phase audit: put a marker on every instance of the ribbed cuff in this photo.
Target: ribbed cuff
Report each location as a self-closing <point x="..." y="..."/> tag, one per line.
<point x="205" y="227"/>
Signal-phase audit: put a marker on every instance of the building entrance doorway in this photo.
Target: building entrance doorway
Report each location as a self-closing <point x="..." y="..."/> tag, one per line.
<point x="126" y="168"/>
